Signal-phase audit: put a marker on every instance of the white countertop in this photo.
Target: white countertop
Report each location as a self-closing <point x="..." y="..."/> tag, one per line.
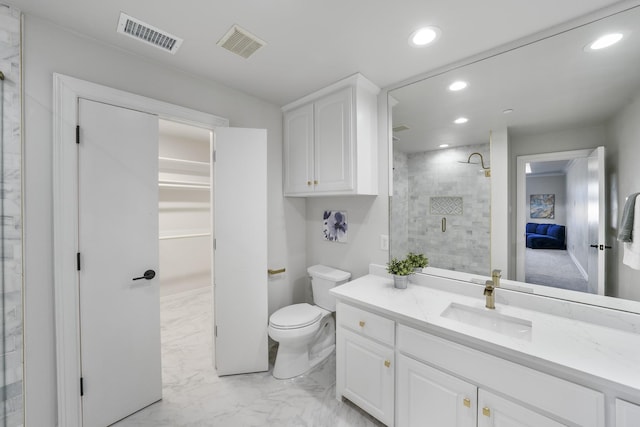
<point x="598" y="351"/>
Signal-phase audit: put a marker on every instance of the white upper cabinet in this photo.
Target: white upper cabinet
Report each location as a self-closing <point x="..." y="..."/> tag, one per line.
<point x="331" y="140"/>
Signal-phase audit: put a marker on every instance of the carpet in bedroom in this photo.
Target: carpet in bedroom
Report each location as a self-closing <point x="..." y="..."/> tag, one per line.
<point x="553" y="267"/>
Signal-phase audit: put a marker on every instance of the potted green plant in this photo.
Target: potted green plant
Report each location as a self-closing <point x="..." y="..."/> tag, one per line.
<point x="418" y="261"/>
<point x="400" y="269"/>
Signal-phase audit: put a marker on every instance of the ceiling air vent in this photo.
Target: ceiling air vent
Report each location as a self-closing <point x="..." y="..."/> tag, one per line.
<point x="241" y="42"/>
<point x="149" y="34"/>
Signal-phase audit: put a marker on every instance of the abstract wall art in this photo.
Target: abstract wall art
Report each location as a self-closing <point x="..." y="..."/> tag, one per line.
<point x="335" y="226"/>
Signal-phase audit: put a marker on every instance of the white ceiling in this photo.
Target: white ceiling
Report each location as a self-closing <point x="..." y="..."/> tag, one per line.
<point x="313" y="44"/>
<point x="551" y="85"/>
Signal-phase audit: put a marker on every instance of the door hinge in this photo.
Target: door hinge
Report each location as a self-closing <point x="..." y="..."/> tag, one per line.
<point x="81" y="386"/>
<point x="214" y="156"/>
<point x="214" y="244"/>
<point x="215" y="331"/>
<point x="78" y="260"/>
<point x="77" y="134"/>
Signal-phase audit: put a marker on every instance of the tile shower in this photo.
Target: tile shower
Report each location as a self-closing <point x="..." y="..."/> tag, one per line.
<point x="432" y="192"/>
<point x="11" y="413"/>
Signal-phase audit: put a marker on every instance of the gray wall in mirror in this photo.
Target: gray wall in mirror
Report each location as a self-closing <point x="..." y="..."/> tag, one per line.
<point x="563" y="98"/>
<point x="11" y="390"/>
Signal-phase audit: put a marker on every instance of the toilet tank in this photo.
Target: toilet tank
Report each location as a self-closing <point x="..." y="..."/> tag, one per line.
<point x="324" y="278"/>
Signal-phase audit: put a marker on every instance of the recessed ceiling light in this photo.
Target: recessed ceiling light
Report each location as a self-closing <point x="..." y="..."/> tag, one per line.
<point x="424" y="36"/>
<point x="460" y="120"/>
<point x="507" y="111"/>
<point x="605" y="41"/>
<point x="456" y="86"/>
<point x="443" y="145"/>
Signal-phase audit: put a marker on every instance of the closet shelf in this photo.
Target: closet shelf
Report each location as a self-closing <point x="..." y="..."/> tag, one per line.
<point x="192" y="185"/>
<point x="168" y="164"/>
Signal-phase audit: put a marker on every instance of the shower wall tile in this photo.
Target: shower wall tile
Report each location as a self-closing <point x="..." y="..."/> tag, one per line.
<point x="399" y="206"/>
<point x="438" y="176"/>
<point x="11" y="389"/>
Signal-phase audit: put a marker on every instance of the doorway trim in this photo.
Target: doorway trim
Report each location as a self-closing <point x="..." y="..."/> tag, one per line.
<point x="66" y="91"/>
<point x="521" y="197"/>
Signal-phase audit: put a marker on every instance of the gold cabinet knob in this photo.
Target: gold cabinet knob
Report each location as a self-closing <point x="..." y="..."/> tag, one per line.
<point x="486" y="412"/>
<point x="308" y="182"/>
<point x="467" y="402"/>
<point x="361" y="323"/>
<point x="315" y="182"/>
<point x="387" y="363"/>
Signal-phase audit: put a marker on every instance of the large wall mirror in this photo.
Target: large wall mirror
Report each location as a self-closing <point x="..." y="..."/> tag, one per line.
<point x="554" y="101"/>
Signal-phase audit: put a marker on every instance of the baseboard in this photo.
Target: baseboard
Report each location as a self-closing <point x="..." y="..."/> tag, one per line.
<point x="580" y="269"/>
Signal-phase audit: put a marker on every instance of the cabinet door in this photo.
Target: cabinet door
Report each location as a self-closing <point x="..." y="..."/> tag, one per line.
<point x="627" y="414"/>
<point x="334" y="142"/>
<point x="494" y="411"/>
<point x="298" y="150"/>
<point x="366" y="374"/>
<point x="428" y="397"/>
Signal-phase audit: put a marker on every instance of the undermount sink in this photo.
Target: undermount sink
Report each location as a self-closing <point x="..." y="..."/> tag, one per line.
<point x="489" y="320"/>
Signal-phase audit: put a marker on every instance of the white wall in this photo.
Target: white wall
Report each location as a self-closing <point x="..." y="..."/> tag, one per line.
<point x="49" y="49"/>
<point x="554" y="184"/>
<point x="624" y="178"/>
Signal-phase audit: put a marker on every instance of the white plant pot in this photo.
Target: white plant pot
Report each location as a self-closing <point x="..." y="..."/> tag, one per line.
<point x="400" y="282"/>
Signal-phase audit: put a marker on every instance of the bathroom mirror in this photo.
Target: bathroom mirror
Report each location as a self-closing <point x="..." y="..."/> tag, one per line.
<point x="553" y="95"/>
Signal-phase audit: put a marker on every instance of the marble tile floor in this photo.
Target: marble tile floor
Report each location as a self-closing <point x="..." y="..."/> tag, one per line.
<point x="194" y="396"/>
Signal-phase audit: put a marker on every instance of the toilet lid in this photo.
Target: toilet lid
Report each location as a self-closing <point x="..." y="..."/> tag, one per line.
<point x="295" y="316"/>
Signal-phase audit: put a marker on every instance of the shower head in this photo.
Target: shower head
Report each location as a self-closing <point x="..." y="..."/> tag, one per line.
<point x="487" y="170"/>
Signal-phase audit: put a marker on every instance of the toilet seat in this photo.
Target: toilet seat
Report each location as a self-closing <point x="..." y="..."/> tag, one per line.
<point x="296" y="316"/>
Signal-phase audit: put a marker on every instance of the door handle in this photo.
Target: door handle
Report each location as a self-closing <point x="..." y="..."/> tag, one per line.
<point x="149" y="274"/>
<point x="593" y="246"/>
<point x="603" y="247"/>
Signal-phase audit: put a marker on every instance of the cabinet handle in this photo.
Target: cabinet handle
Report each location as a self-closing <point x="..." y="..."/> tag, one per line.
<point x="387" y="363"/>
<point x="467" y="402"/>
<point x="308" y="182"/>
<point x="486" y="412"/>
<point x="315" y="182"/>
<point x="361" y="323"/>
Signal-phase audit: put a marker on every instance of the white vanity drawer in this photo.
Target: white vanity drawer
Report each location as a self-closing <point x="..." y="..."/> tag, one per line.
<point x="366" y="323"/>
<point x="564" y="399"/>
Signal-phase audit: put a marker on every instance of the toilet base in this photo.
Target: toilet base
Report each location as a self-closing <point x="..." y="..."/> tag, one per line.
<point x="290" y="364"/>
<point x="293" y="358"/>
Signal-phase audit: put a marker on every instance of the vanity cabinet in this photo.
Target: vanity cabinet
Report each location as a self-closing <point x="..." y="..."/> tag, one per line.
<point x="365" y="367"/>
<point x="627" y="414"/>
<point x="330" y="141"/>
<point x="446" y="384"/>
<point x="428" y="396"/>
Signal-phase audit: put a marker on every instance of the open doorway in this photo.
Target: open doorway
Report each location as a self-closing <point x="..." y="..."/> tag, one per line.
<point x="185" y="219"/>
<point x="560" y="220"/>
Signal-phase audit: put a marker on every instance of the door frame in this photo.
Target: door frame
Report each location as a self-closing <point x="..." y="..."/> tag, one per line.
<point x="66" y="91"/>
<point x="521" y="196"/>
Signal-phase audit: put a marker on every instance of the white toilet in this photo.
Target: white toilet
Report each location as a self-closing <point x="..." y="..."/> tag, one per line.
<point x="307" y="333"/>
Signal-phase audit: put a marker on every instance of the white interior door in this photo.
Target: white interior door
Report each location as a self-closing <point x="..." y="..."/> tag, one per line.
<point x="240" y="232"/>
<point x="596" y="220"/>
<point x="118" y="241"/>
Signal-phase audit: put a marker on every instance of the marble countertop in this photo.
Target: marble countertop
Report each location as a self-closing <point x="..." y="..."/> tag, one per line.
<point x="598" y="351"/>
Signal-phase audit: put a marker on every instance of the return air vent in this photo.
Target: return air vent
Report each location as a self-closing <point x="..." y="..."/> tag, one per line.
<point x="241" y="42"/>
<point x="149" y="34"/>
<point x="400" y="128"/>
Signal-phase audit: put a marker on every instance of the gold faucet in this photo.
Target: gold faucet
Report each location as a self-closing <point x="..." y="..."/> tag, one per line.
<point x="488" y="292"/>
<point x="495" y="277"/>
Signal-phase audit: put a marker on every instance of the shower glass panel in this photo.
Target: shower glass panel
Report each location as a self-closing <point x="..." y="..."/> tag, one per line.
<point x="11" y="349"/>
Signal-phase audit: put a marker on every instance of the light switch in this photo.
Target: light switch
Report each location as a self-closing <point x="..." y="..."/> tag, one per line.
<point x="384" y="242"/>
